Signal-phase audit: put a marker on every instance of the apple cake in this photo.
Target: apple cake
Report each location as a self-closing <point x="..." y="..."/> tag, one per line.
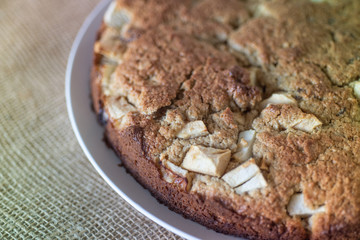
<point x="240" y="115"/>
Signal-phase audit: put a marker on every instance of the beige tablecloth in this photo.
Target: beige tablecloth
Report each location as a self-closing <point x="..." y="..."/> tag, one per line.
<point x="48" y="189"/>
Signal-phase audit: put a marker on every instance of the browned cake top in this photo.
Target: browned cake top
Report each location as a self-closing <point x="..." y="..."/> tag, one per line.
<point x="273" y="85"/>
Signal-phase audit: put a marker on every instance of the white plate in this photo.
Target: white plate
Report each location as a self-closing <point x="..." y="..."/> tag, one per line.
<point x="89" y="134"/>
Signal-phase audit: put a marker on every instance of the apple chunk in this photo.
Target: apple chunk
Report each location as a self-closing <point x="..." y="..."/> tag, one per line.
<point x="298" y="207"/>
<point x="245" y="144"/>
<point x="116" y="17"/>
<point x="175" y="169"/>
<point x="174" y="174"/>
<point x="309" y="123"/>
<point x="118" y="107"/>
<point x="192" y="130"/>
<point x="242" y="173"/>
<point x="356" y="86"/>
<point x="278" y="98"/>
<point x="206" y="160"/>
<point x="257" y="182"/>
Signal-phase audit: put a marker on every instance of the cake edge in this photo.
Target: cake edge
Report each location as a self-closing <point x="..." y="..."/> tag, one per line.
<point x="128" y="146"/>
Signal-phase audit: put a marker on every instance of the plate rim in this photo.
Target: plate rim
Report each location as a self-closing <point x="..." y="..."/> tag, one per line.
<point x="68" y="77"/>
<point x="69" y="105"/>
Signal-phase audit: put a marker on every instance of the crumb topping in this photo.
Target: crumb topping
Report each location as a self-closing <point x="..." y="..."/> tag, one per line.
<point x="250" y="101"/>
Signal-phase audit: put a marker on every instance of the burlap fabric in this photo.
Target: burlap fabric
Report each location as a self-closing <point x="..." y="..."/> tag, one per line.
<point x="48" y="189"/>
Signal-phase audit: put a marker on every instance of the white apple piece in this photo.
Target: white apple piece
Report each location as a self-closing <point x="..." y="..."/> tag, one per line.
<point x="175" y="169"/>
<point x="245" y="144"/>
<point x="257" y="182"/>
<point x="106" y="71"/>
<point x="192" y="130"/>
<point x="298" y="207"/>
<point x="115" y="17"/>
<point x="293" y="117"/>
<point x="310" y="222"/>
<point x="206" y="160"/>
<point x="356" y="86"/>
<point x="242" y="173"/>
<point x="118" y="107"/>
<point x="309" y="123"/>
<point x="278" y="98"/>
<point x="172" y="173"/>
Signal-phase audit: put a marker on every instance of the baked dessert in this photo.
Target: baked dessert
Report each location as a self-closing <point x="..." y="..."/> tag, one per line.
<point x="240" y="115"/>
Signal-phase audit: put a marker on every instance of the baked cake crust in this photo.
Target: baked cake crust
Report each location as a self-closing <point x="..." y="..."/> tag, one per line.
<point x="239" y="83"/>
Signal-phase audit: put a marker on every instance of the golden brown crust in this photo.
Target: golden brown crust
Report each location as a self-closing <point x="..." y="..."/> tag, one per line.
<point x="211" y="212"/>
<point x="157" y="72"/>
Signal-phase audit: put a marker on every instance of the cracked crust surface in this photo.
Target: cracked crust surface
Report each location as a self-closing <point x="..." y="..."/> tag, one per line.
<point x="216" y="62"/>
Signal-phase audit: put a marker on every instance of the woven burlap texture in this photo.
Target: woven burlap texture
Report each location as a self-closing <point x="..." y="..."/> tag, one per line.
<point x="48" y="189"/>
